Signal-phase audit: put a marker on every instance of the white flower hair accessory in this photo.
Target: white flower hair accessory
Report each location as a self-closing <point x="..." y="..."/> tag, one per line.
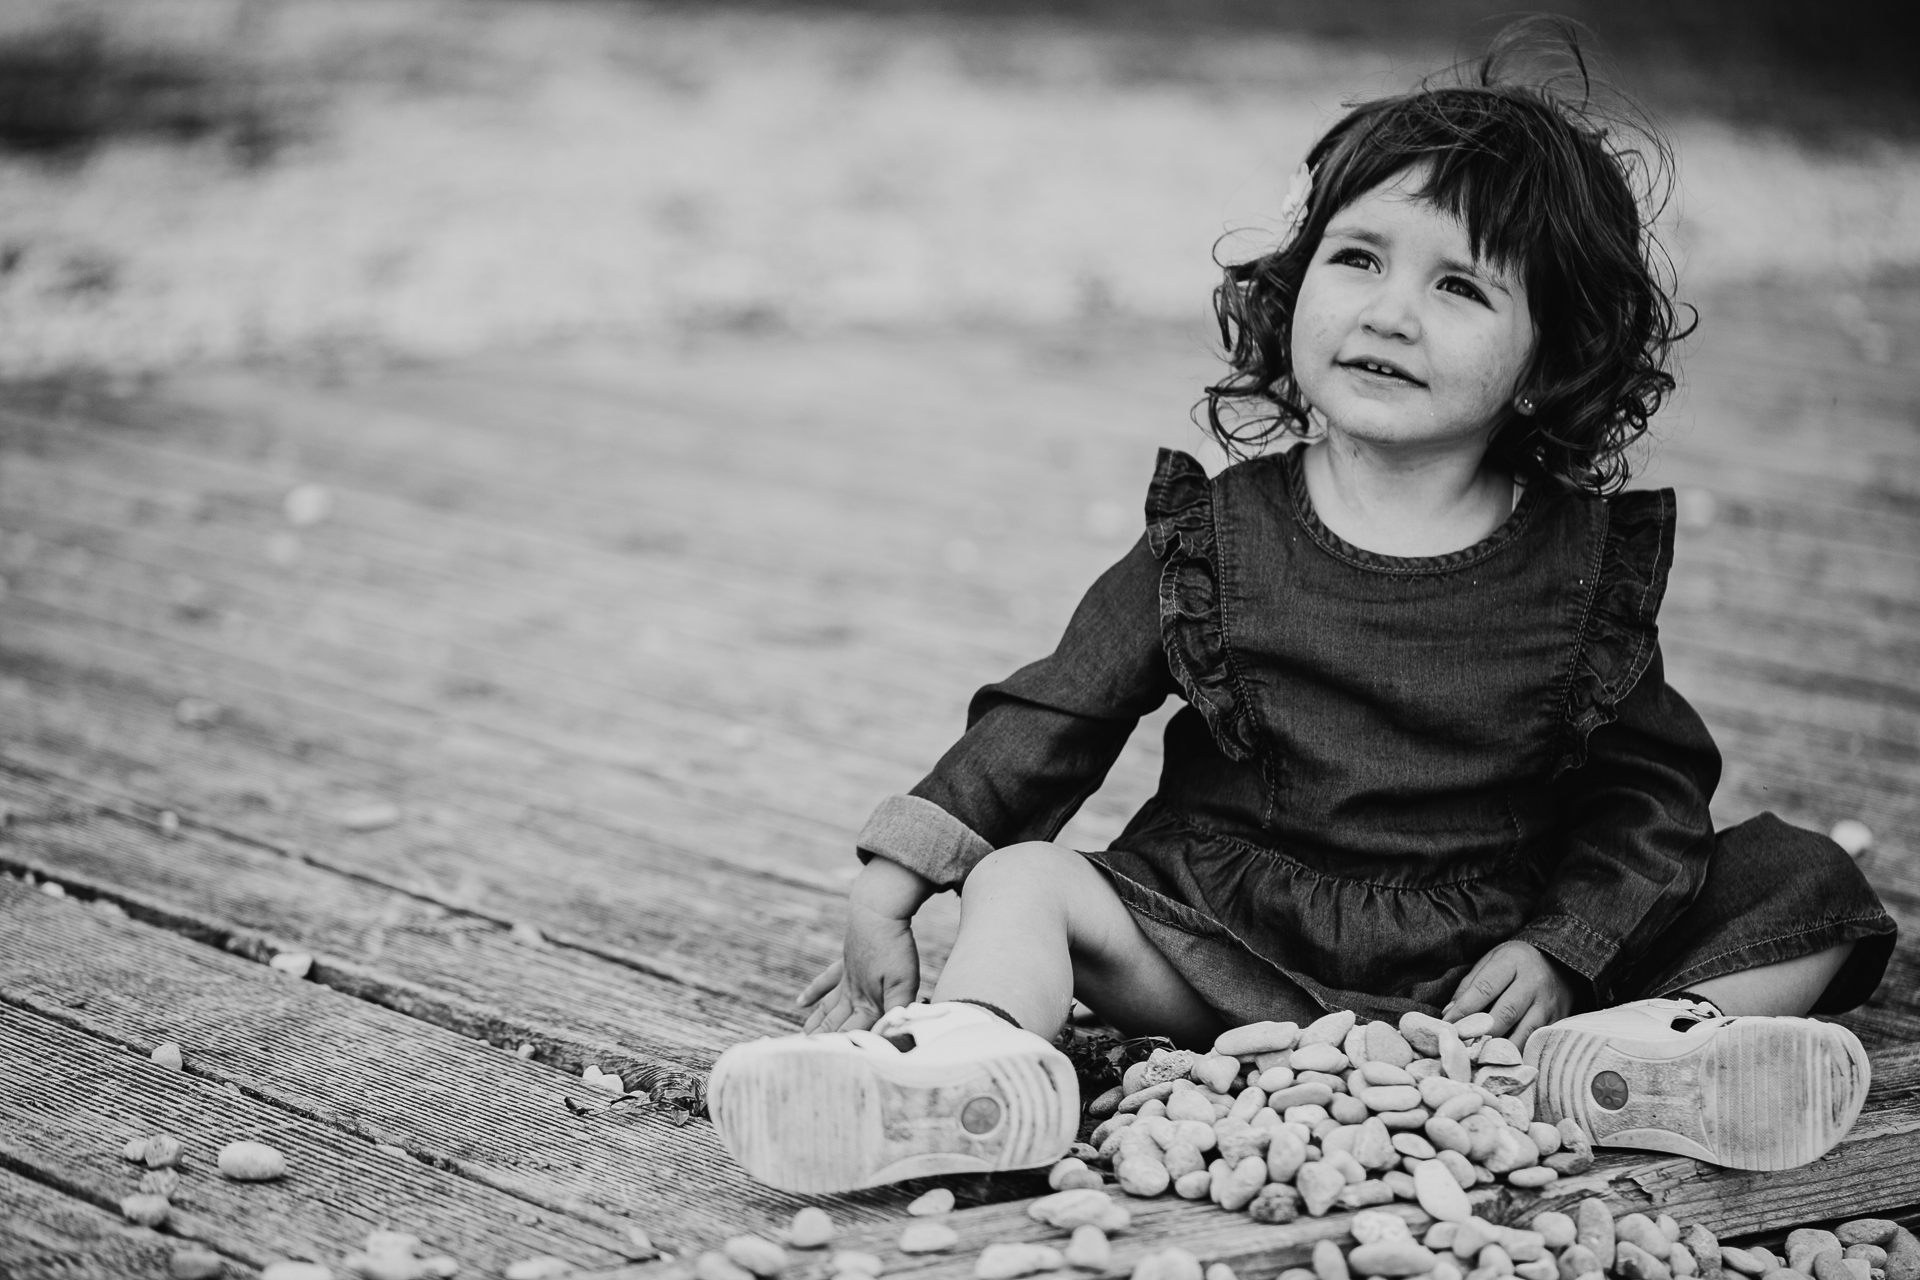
<point x="1293" y="209"/>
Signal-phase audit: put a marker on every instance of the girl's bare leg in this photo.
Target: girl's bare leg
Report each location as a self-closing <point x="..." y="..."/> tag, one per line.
<point x="1039" y="926"/>
<point x="1787" y="987"/>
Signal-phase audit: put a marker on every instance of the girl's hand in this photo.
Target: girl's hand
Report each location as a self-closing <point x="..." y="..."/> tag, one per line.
<point x="1523" y="988"/>
<point x="880" y="966"/>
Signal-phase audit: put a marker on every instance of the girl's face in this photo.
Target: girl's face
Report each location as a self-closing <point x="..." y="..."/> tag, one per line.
<point x="1400" y="337"/>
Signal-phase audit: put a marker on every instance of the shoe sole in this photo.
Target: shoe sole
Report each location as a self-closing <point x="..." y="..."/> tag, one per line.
<point x="814" y="1114"/>
<point x="1759" y="1093"/>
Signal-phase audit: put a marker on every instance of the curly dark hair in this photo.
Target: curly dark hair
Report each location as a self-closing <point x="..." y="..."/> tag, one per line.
<point x="1547" y="185"/>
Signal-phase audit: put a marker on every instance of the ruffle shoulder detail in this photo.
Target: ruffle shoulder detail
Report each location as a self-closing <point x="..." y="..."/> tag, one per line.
<point x="1620" y="634"/>
<point x="1181" y="534"/>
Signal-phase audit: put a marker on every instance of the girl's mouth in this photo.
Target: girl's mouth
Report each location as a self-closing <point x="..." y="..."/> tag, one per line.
<point x="1384" y="369"/>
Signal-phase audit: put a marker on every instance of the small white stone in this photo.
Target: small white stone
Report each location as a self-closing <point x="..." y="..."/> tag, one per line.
<point x="928" y="1237"/>
<point x="544" y="1267"/>
<point x="251" y="1162"/>
<point x="169" y="823"/>
<point x="167" y="1055"/>
<point x="370" y="817"/>
<point x="939" y="1200"/>
<point x="295" y="964"/>
<point x="197" y="713"/>
<point x="524" y="1051"/>
<point x="527" y="934"/>
<point x="307" y="505"/>
<point x="1852" y="835"/>
<point x="605" y="1081"/>
<point x="295" y="1271"/>
<point x="811" y="1228"/>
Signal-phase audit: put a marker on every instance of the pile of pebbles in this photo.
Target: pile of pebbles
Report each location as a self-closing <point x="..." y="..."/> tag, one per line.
<point x="1280" y="1119"/>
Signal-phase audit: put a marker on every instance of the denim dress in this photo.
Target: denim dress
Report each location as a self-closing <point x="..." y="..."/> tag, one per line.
<point x="1388" y="765"/>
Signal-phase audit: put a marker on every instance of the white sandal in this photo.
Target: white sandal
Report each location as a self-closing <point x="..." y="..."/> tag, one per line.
<point x="932" y="1089"/>
<point x="1677" y="1075"/>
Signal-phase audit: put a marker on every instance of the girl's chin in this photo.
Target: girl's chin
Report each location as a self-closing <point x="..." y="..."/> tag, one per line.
<point x="1400" y="429"/>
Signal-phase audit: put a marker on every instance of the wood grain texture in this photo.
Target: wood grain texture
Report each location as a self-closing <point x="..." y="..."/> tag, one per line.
<point x="634" y="640"/>
<point x="375" y="944"/>
<point x="50" y="1235"/>
<point x="383" y="1077"/>
<point x="68" y="1125"/>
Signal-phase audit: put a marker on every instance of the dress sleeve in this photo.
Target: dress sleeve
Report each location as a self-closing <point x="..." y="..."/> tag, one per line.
<point x="1041" y="741"/>
<point x="1638" y="773"/>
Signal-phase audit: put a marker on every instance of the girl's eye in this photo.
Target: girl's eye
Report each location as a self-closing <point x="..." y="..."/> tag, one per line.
<point x="1351" y="258"/>
<point x="1465" y="288"/>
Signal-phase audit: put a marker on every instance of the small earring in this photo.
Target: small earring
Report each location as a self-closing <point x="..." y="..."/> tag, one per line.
<point x="1525" y="405"/>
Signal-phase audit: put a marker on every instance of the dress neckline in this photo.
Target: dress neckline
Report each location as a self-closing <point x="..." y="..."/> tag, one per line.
<point x="1291" y="470"/>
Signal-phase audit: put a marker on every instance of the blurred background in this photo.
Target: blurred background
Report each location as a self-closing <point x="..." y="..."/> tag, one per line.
<point x="343" y="180"/>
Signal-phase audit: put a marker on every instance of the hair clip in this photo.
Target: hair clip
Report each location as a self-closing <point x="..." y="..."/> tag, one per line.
<point x="1293" y="209"/>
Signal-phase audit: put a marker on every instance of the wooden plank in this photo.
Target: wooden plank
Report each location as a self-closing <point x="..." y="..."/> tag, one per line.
<point x="67" y="1122"/>
<point x="46" y="1234"/>
<point x="381" y="1077"/>
<point x="593" y="883"/>
<point x="461" y="971"/>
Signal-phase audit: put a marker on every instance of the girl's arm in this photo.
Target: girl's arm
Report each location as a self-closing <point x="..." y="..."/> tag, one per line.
<point x="1638" y="835"/>
<point x="1041" y="741"/>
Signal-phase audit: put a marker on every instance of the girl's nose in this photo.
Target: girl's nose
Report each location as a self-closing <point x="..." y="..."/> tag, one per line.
<point x="1391" y="313"/>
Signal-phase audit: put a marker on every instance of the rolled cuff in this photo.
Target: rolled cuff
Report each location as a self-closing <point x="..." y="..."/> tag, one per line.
<point x="921" y="836"/>
<point x="1575" y="944"/>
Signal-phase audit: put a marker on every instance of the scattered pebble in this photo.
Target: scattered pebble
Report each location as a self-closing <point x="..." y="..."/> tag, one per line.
<point x="757" y="1254"/>
<point x="852" y="1262"/>
<point x="193" y="1263"/>
<point x="197" y="713"/>
<point x="169" y="823"/>
<point x="1089" y="1248"/>
<point x="160" y="1182"/>
<point x="294" y="963"/>
<point x="527" y="934"/>
<point x="939" y="1200"/>
<point x="811" y="1228"/>
<point x="53" y="888"/>
<point x="717" y="1266"/>
<point x="605" y="1081"/>
<point x="928" y="1237"/>
<point x="1852" y="835"/>
<point x="307" y="504"/>
<point x="146" y="1209"/>
<point x="544" y="1267"/>
<point x="251" y="1162"/>
<point x="1168" y="1264"/>
<point x="162" y="1151"/>
<point x="135" y="1152"/>
<point x="167" y="1055"/>
<point x="524" y="1051"/>
<point x="396" y="1255"/>
<point x="370" y="817"/>
<point x="288" y="1270"/>
<point x="1007" y="1261"/>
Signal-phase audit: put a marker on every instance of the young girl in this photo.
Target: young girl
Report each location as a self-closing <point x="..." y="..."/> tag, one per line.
<point x="1429" y="760"/>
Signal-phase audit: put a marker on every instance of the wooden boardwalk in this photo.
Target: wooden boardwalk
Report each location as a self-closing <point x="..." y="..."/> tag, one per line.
<point x="548" y="736"/>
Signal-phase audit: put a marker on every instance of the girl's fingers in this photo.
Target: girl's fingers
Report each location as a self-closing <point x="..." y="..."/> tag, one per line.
<point x="1482" y="985"/>
<point x="827" y="980"/>
<point x="829" y="1013"/>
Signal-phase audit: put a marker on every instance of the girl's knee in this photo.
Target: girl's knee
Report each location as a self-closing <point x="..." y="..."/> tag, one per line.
<point x="1033" y="866"/>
